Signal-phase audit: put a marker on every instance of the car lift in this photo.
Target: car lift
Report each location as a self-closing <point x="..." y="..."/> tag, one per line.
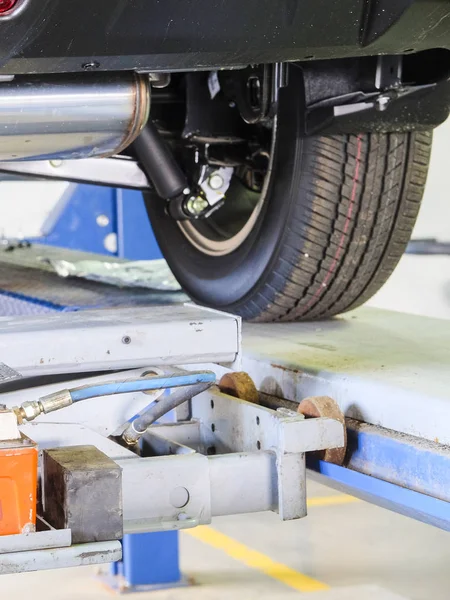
<point x="228" y="456"/>
<point x="226" y="453"/>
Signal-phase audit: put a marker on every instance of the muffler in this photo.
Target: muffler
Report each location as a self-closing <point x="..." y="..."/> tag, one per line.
<point x="71" y="116"/>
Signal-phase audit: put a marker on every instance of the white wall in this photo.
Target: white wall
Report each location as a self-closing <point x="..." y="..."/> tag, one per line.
<point x="25" y="205"/>
<point x="434" y="217"/>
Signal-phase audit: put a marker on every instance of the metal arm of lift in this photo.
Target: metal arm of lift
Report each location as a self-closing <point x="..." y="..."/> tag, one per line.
<point x="118" y="171"/>
<point x="232" y="457"/>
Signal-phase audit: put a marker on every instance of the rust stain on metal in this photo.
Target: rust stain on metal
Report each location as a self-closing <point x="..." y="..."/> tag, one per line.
<point x="239" y="385"/>
<point x="274" y="402"/>
<point x="287" y="369"/>
<point x="87" y="555"/>
<point x="324" y="406"/>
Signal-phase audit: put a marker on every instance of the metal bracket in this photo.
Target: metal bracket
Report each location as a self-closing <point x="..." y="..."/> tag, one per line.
<point x="233" y="457"/>
<point x="255" y="90"/>
<point x="388" y="73"/>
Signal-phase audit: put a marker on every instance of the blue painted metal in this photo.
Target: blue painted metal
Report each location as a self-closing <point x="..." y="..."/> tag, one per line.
<point x="76" y="227"/>
<point x="387" y="495"/>
<point x="404" y="460"/>
<point x="405" y="474"/>
<point x="151" y="559"/>
<point x="13" y="304"/>
<point x="135" y="235"/>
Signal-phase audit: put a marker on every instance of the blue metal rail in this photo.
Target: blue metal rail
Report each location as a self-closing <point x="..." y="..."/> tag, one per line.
<point x="408" y="475"/>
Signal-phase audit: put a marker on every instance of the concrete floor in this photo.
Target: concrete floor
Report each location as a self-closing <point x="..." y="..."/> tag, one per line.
<point x="361" y="552"/>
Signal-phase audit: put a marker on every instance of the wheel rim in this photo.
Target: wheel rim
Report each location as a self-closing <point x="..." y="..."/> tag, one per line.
<point x="215" y="238"/>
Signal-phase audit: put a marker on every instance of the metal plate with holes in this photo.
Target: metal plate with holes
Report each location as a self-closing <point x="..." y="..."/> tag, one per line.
<point x="233" y="425"/>
<point x="7" y="374"/>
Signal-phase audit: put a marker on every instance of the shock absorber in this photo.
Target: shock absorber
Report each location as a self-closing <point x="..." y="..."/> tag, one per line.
<point x="159" y="163"/>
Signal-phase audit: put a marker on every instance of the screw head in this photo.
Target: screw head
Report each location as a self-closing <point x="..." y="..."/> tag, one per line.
<point x="90" y="66"/>
<point x="382" y="102"/>
<point x="102" y="220"/>
<point x="216" y="181"/>
<point x="126" y="339"/>
<point x="196" y="205"/>
<point x="56" y="163"/>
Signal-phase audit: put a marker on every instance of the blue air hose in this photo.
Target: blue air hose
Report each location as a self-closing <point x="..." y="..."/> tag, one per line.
<point x="141" y="385"/>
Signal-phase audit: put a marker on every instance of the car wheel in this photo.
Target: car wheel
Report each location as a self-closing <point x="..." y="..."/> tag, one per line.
<point x="319" y="236"/>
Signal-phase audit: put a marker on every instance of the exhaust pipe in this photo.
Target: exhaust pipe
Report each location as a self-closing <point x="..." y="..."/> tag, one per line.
<point x="71" y="117"/>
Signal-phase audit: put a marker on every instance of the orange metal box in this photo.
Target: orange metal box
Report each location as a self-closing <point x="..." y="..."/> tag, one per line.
<point x="18" y="486"/>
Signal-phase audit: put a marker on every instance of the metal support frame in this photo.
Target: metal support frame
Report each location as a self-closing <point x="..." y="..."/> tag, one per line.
<point x="113" y="221"/>
<point x="33" y="344"/>
<point x="264" y="450"/>
<point x="387" y="495"/>
<point x="396" y="471"/>
<point x="232" y="457"/>
<point x="60" y="558"/>
<point x="178" y="481"/>
<point x="258" y="452"/>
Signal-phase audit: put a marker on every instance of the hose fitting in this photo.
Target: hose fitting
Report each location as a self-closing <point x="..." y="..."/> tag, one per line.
<point x="28" y="411"/>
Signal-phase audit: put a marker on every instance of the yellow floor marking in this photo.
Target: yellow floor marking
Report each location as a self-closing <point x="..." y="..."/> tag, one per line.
<point x="261" y="562"/>
<point x="256" y="560"/>
<point x="331" y="500"/>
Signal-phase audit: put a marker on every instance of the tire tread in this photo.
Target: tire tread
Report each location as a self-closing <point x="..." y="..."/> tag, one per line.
<point x="335" y="256"/>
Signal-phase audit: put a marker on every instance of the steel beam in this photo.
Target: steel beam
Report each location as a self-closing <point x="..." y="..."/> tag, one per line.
<point x="119" y="339"/>
<point x="59" y="558"/>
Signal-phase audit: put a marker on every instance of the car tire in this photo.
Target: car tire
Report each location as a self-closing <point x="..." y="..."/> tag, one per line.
<point x="339" y="213"/>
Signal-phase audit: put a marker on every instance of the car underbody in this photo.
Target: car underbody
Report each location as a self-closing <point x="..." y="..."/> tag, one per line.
<point x="211" y="108"/>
